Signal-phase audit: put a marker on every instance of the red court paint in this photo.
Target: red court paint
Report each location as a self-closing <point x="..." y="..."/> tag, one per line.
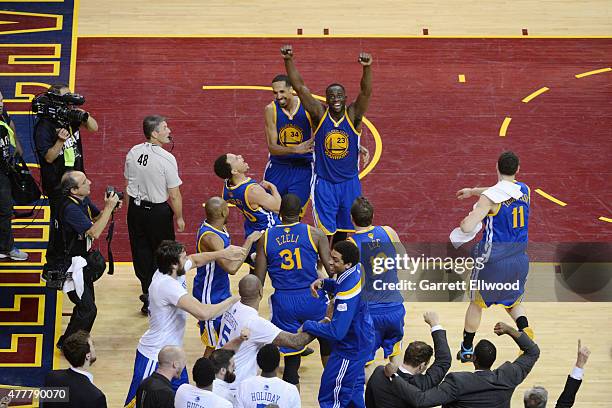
<point x="438" y="135"/>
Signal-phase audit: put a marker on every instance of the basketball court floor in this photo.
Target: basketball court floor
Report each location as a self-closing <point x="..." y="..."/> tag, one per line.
<point x="454" y="85"/>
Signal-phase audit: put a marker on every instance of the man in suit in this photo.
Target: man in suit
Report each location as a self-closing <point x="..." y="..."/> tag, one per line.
<point x="537" y="397"/>
<point x="379" y="391"/>
<point x="484" y="388"/>
<point x="80" y="352"/>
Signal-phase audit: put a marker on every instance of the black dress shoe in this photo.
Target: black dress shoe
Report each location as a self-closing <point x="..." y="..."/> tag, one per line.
<point x="144" y="298"/>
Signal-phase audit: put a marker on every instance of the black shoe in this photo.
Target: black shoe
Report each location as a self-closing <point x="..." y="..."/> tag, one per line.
<point x="144" y="298"/>
<point x="307" y="351"/>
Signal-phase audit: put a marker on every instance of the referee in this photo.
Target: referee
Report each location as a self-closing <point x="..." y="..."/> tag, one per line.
<point x="152" y="176"/>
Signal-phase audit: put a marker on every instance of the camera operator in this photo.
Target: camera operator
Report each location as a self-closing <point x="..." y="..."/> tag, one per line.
<point x="152" y="177"/>
<point x="59" y="150"/>
<point x="8" y="140"/>
<point x="80" y="223"/>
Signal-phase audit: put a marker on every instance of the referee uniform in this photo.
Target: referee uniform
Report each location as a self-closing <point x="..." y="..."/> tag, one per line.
<point x="150" y="171"/>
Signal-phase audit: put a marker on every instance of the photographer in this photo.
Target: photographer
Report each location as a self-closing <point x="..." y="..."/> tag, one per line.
<point x="58" y="145"/>
<point x="80" y="222"/>
<point x="8" y="140"/>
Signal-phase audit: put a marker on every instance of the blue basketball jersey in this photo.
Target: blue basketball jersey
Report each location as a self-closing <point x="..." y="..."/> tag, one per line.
<point x="211" y="283"/>
<point x="506" y="229"/>
<point x="336" y="149"/>
<point x="292" y="129"/>
<point x="254" y="220"/>
<point x="375" y="242"/>
<point x="292" y="256"/>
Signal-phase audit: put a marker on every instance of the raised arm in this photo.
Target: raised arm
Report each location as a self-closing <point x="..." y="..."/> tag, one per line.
<point x="257" y="196"/>
<point x="211" y="242"/>
<point x="470" y="192"/>
<point x="311" y="105"/>
<point x="442" y="362"/>
<point x="359" y="108"/>
<point x="520" y="368"/>
<point x="205" y="311"/>
<point x="232" y="253"/>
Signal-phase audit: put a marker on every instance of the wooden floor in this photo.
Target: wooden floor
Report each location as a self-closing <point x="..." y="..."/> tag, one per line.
<point x="344" y="17"/>
<point x="119" y="325"/>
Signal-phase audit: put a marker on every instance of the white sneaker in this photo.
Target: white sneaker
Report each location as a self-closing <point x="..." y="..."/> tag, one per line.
<point x="15" y="255"/>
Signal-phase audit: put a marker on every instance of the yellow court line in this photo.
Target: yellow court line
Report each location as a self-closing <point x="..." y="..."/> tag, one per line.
<point x="551" y="198"/>
<point x="57" y="354"/>
<point x="534" y="94"/>
<point x="339" y="36"/>
<point x="606" y="219"/>
<point x="217" y="87"/>
<point x="377" y="138"/>
<point x="589" y="73"/>
<point x="40" y="315"/>
<point x="13" y="348"/>
<point x="504" y="127"/>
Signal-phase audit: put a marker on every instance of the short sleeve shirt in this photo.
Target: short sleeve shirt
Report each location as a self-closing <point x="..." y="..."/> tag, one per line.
<point x="45" y="136"/>
<point x="166" y="320"/>
<point x="150" y="171"/>
<point x="188" y="396"/>
<point x="262" y="332"/>
<point x="76" y="218"/>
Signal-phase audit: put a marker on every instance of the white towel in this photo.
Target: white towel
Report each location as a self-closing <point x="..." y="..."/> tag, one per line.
<point x="76" y="282"/>
<point x="458" y="237"/>
<point x="502" y="191"/>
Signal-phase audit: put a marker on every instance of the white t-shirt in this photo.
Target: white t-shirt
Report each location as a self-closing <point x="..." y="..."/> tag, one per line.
<point x="260" y="391"/>
<point x="166" y="321"/>
<point x="224" y="390"/>
<point x="263" y="332"/>
<point x="188" y="396"/>
<point x="150" y="171"/>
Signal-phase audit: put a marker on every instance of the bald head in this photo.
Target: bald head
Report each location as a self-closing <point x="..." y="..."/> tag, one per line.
<point x="249" y="287"/>
<point x="170" y="354"/>
<point x="216" y="208"/>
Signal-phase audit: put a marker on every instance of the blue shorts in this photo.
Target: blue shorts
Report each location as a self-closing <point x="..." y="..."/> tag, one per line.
<point x="332" y="203"/>
<point x="143" y="368"/>
<point x="501" y="282"/>
<point x="342" y="383"/>
<point x="291" y="308"/>
<point x="287" y="178"/>
<point x="209" y="332"/>
<point x="388" y="322"/>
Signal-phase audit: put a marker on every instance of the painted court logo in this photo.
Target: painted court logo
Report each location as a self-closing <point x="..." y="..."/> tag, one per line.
<point x="290" y="135"/>
<point x="336" y="144"/>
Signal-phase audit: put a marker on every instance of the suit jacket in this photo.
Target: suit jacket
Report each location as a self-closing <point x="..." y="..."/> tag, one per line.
<point x="379" y="391"/>
<point x="82" y="393"/>
<point x="480" y="389"/>
<point x="567" y="397"/>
